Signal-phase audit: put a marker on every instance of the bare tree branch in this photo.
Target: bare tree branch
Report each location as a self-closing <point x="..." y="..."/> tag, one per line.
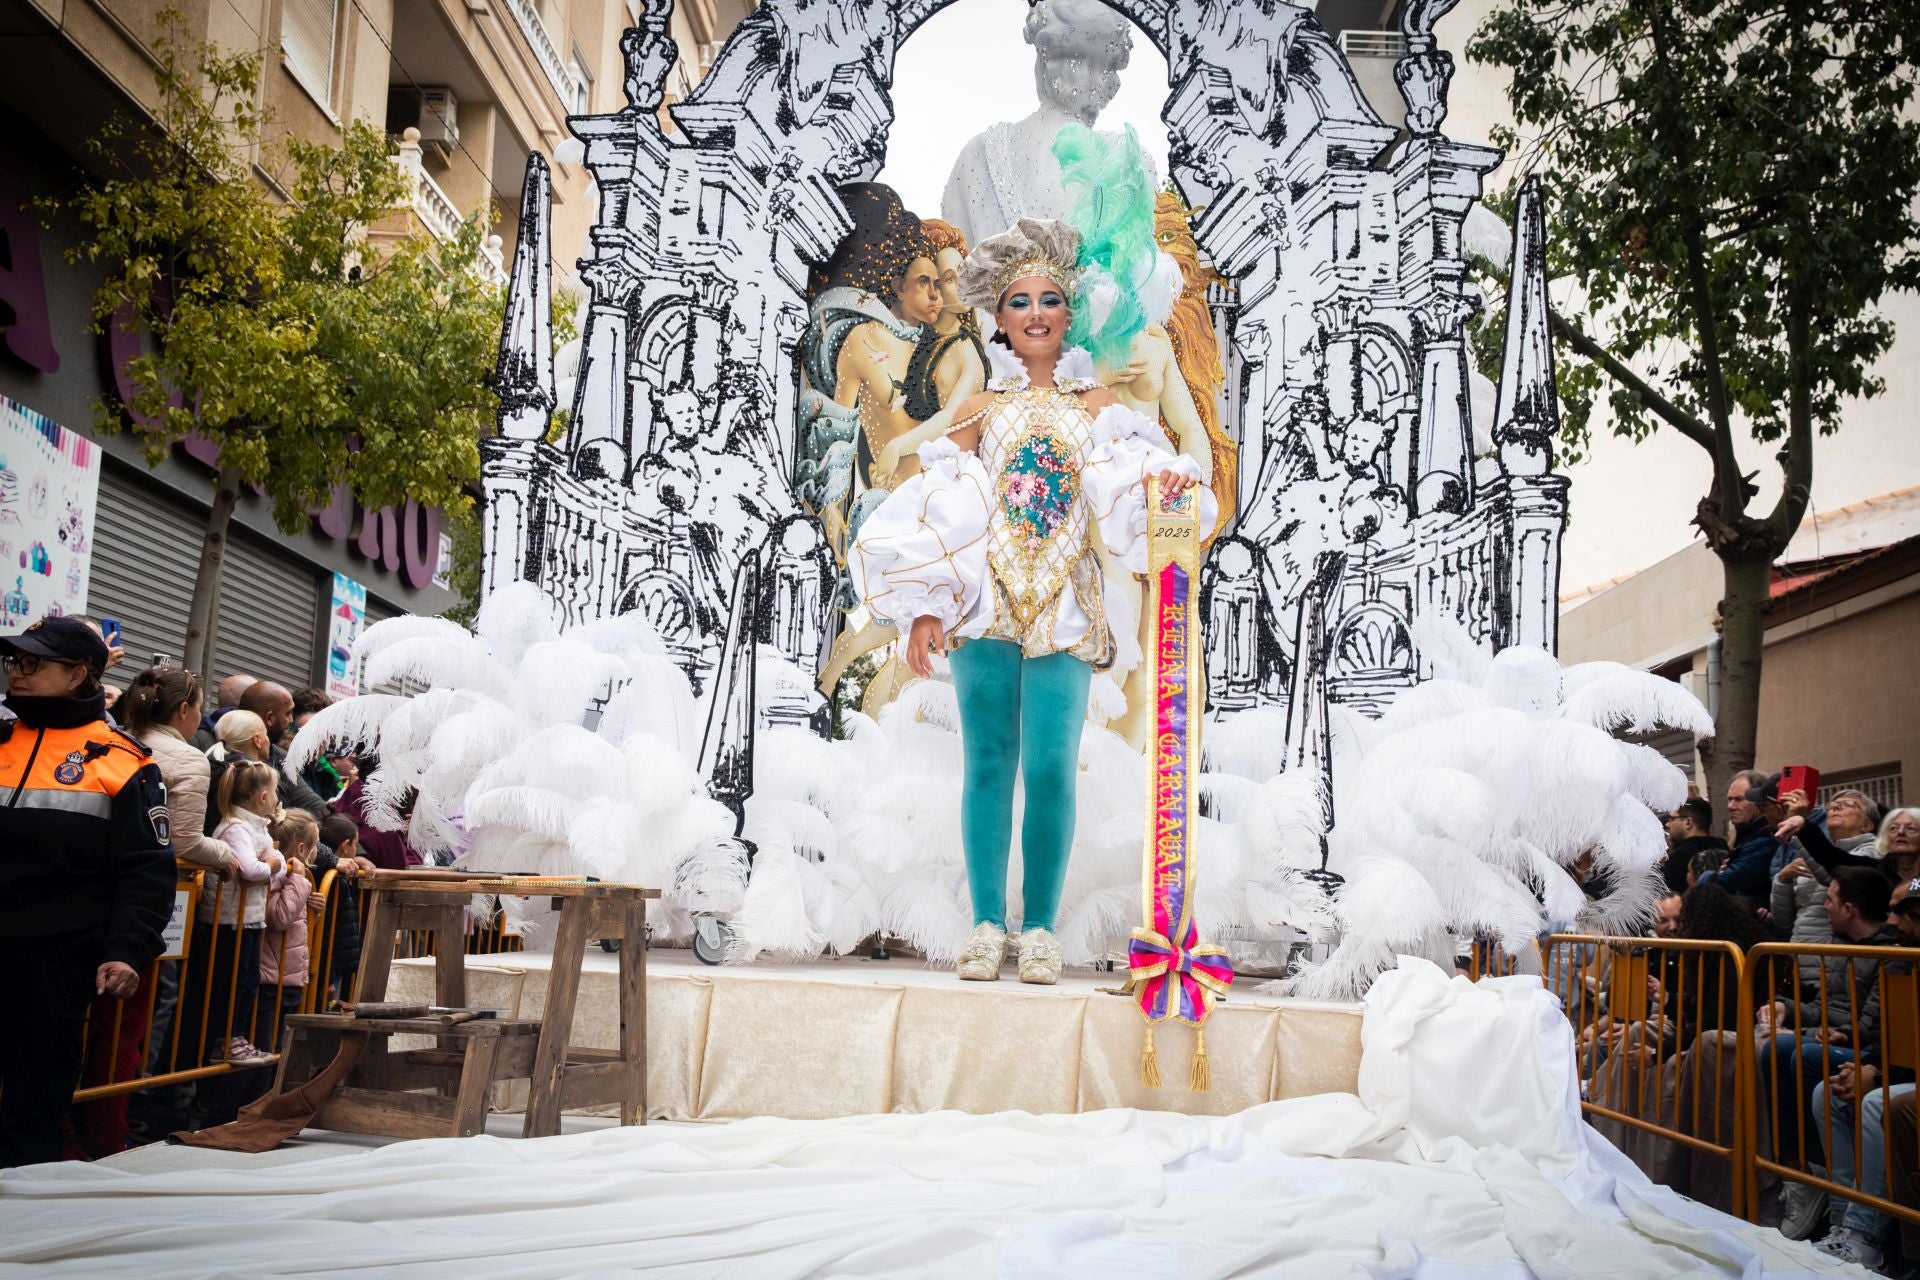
<point x="1680" y="420"/>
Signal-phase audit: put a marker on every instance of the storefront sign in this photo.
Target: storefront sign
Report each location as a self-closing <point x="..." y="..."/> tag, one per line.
<point x="345" y="619"/>
<point x="49" y="483"/>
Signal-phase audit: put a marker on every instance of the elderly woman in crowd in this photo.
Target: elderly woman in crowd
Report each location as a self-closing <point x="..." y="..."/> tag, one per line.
<point x="1895" y="854"/>
<point x="1800" y="886"/>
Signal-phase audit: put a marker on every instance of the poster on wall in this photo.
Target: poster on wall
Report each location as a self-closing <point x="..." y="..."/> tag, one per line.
<point x="49" y="484"/>
<point x="347" y="617"/>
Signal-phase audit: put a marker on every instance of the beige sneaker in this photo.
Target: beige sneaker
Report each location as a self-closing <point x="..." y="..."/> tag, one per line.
<point x="1039" y="957"/>
<point x="981" y="958"/>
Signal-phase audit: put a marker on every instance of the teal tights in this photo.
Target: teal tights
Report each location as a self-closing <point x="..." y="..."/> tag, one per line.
<point x="1018" y="714"/>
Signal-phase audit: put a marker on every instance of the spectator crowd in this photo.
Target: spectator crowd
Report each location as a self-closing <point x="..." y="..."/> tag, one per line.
<point x="1842" y="874"/>
<point x="113" y="793"/>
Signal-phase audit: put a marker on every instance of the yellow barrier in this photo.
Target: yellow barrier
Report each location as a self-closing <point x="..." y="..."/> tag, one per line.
<point x="1894" y="1044"/>
<point x="203" y="978"/>
<point x="1661" y="1044"/>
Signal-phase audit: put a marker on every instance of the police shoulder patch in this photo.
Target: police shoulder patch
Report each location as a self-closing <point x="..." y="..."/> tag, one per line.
<point x="161" y="824"/>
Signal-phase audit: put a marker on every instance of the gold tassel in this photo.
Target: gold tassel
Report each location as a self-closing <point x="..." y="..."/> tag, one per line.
<point x="1200" y="1079"/>
<point x="1149" y="1064"/>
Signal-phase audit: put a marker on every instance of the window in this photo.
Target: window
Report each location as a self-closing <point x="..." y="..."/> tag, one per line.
<point x="309" y="35"/>
<point x="582" y="84"/>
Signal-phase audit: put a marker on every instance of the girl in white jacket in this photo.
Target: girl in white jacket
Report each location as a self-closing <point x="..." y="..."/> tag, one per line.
<point x="234" y="916"/>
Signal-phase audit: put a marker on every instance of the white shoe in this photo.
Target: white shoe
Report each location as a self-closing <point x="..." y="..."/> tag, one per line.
<point x="1801" y="1208"/>
<point x="1039" y="957"/>
<point x="1851" y="1246"/>
<point x="986" y="950"/>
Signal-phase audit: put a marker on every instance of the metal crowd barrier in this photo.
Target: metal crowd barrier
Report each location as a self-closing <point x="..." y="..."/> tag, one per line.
<point x="1893" y="1047"/>
<point x="1662" y="1048"/>
<point x="189" y="1005"/>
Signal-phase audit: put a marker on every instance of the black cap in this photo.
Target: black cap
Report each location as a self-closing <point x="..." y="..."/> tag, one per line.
<point x="67" y="639"/>
<point x="1767" y="792"/>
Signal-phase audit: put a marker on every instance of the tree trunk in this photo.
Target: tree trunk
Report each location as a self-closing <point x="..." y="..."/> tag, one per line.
<point x="1742" y="633"/>
<point x="203" y="614"/>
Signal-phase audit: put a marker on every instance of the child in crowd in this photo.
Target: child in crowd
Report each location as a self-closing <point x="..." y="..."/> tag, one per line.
<point x="237" y="914"/>
<point x="285" y="949"/>
<point x="340" y="849"/>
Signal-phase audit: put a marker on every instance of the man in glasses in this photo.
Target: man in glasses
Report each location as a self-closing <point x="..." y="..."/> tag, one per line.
<point x="86" y="883"/>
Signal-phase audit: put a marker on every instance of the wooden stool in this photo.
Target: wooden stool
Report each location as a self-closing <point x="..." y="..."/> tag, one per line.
<point x="470" y="1056"/>
<point x="381" y="1097"/>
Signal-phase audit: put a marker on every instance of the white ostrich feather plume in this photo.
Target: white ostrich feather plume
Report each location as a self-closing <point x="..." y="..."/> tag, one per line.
<point x="792" y="764"/>
<point x="351" y="723"/>
<point x="1638" y="702"/>
<point x="513" y="619"/>
<point x="565" y="759"/>
<point x="656" y="778"/>
<point x="656" y="700"/>
<point x="456" y="660"/>
<point x="389" y="631"/>
<point x="930" y="915"/>
<point x="411" y="727"/>
<point x="534" y="811"/>
<point x="1449" y="649"/>
<point x="620" y="635"/>
<point x="557" y="679"/>
<point x="773" y="919"/>
<point x="1252" y="743"/>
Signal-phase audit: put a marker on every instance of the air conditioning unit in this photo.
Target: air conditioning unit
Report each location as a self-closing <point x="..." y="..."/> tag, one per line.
<point x="439" y="119"/>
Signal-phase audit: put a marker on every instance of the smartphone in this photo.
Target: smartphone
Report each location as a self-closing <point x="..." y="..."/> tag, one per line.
<point x="1801" y="777"/>
<point x="110" y="631"/>
<point x="162" y="660"/>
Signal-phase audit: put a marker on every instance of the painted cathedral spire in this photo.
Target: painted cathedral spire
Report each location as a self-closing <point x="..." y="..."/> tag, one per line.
<point x="1527" y="415"/>
<point x="524" y="376"/>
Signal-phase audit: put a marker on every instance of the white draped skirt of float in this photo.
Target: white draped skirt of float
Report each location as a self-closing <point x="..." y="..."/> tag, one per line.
<point x="1463" y="1154"/>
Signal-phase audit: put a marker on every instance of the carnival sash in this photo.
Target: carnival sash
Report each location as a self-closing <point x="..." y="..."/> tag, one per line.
<point x="1169" y="971"/>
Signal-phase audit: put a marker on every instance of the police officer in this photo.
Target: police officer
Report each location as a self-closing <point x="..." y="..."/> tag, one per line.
<point x="86" y="873"/>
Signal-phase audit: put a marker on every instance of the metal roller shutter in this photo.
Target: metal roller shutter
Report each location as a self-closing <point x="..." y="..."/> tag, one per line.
<point x="145" y="554"/>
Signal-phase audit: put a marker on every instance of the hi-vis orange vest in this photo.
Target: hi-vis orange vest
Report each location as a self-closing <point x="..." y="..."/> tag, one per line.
<point x="84" y="846"/>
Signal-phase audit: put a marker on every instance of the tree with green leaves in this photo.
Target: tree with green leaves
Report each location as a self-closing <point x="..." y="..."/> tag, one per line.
<point x="1731" y="188"/>
<point x="309" y="354"/>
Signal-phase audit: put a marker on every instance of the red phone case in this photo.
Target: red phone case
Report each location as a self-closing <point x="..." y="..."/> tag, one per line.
<point x="1801" y="777"/>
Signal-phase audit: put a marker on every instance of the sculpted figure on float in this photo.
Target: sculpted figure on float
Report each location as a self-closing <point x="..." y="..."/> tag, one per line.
<point x="1008" y="172"/>
<point x="1174" y="374"/>
<point x="889" y="344"/>
<point x="872" y="302"/>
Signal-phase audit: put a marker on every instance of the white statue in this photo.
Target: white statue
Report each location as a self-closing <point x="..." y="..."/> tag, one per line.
<point x="1008" y="172"/>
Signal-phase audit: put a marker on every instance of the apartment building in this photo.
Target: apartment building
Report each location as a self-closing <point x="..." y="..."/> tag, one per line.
<point x="466" y="89"/>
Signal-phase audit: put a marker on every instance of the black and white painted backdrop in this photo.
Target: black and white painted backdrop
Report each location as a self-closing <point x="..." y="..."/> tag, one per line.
<point x="1377" y="584"/>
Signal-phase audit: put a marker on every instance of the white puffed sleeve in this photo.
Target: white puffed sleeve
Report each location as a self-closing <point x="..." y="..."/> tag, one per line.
<point x="1127" y="448"/>
<point x="925" y="550"/>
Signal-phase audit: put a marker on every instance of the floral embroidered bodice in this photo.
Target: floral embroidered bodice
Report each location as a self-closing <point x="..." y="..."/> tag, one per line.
<point x="1034" y="445"/>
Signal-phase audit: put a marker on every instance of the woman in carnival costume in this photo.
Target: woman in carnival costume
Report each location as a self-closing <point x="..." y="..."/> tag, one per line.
<point x="991" y="554"/>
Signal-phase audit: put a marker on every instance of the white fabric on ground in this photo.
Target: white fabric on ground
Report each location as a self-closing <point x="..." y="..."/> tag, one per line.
<point x="1462" y="1155"/>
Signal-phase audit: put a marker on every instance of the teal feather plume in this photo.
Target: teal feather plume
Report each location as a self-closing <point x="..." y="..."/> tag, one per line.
<point x="1110" y="195"/>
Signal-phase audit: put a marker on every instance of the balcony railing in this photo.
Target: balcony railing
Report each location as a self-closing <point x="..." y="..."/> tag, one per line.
<point x="1373" y="44"/>
<point x="437" y="211"/>
<point x="544" y="50"/>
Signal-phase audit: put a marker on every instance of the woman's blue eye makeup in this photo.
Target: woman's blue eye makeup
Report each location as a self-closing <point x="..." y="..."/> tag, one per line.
<point x="1052" y="300"/>
<point x="1018" y="302"/>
